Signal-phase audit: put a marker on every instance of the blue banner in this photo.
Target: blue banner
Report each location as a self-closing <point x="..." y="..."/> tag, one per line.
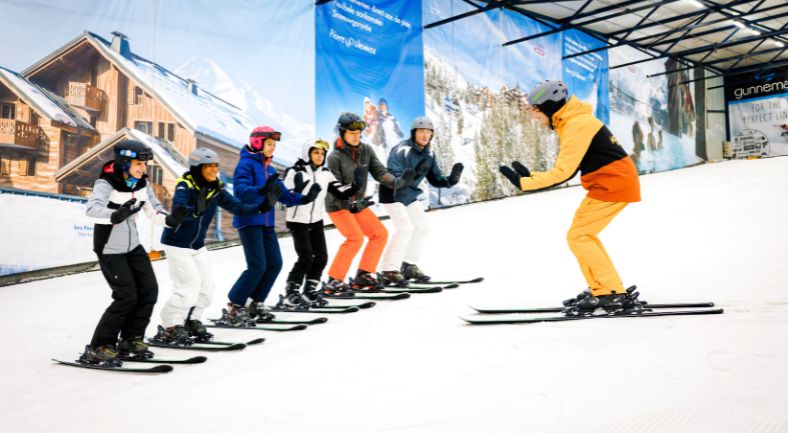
<point x="587" y="75"/>
<point x="370" y="61"/>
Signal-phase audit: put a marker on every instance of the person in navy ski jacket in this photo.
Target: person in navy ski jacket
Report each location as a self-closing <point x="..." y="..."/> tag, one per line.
<point x="200" y="192"/>
<point x="255" y="181"/>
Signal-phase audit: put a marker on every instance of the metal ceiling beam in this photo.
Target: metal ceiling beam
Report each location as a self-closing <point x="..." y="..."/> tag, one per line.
<point x="743" y="19"/>
<point x="739" y="71"/>
<point x="750" y="53"/>
<point x="682" y="16"/>
<point x="571" y="25"/>
<point x="490" y="6"/>
<point x="709" y="47"/>
<point x="648" y="46"/>
<point x="615" y="6"/>
<point x="726" y="59"/>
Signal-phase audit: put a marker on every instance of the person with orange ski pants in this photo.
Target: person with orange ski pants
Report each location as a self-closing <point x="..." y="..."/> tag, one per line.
<point x="607" y="172"/>
<point x="352" y="216"/>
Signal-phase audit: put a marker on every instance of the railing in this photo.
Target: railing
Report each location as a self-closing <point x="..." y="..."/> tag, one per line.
<point x="86" y="96"/>
<point x="19" y="133"/>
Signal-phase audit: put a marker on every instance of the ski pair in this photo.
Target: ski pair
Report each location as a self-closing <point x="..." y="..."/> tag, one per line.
<point x="487" y="316"/>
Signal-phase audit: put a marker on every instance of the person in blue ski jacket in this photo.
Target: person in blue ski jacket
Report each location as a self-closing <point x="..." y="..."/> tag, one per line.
<point x="255" y="181"/>
<point x="198" y="194"/>
<point x="407" y="214"/>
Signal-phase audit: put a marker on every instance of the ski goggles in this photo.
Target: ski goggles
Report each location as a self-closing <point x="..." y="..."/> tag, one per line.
<point x="143" y="155"/>
<point x="321" y="144"/>
<point x="275" y="135"/>
<point x="356" y="125"/>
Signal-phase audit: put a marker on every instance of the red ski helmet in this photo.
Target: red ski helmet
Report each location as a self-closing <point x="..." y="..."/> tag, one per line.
<point x="258" y="136"/>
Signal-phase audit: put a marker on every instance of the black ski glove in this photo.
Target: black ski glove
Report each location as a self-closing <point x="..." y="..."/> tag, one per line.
<point x="311" y="195"/>
<point x="175" y="218"/>
<point x="299" y="182"/>
<point x="423" y="167"/>
<point x="456" y="173"/>
<point x="513" y="177"/>
<point x="521" y="169"/>
<point x="202" y="202"/>
<point x="124" y="211"/>
<point x="406" y="179"/>
<point x="356" y="206"/>
<point x="270" y="190"/>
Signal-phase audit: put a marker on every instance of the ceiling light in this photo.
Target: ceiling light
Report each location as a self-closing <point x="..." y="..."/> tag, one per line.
<point x="695" y="3"/>
<point x="738" y="24"/>
<point x="778" y="43"/>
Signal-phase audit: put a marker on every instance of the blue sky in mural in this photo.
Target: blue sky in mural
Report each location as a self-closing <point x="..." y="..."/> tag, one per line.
<point x="265" y="44"/>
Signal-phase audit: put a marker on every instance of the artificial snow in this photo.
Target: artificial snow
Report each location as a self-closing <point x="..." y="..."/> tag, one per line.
<point x="715" y="232"/>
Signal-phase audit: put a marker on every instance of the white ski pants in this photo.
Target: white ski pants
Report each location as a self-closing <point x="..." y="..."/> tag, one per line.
<point x="410" y="233"/>
<point x="192" y="284"/>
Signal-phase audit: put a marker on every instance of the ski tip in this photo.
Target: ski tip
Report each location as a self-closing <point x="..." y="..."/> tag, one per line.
<point x="196" y="360"/>
<point x="299" y="327"/>
<point x="319" y="320"/>
<point x="367" y="305"/>
<point x="255" y="341"/>
<point x="237" y="346"/>
<point x="465" y="319"/>
<point x="451" y="286"/>
<point x="161" y="368"/>
<point x="476" y="280"/>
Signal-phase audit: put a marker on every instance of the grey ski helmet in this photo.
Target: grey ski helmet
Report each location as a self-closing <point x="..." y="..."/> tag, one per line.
<point x="203" y="156"/>
<point x="422" y="122"/>
<point x="550" y="90"/>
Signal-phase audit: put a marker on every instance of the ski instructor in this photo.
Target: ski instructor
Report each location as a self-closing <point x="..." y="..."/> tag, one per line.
<point x="607" y="172"/>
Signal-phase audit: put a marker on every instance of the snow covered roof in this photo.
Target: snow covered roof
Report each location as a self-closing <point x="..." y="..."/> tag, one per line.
<point x="90" y="162"/>
<point x="43" y="101"/>
<point x="195" y="108"/>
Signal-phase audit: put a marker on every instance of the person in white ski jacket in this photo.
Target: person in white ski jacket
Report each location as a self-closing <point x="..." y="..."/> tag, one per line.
<point x="306" y="221"/>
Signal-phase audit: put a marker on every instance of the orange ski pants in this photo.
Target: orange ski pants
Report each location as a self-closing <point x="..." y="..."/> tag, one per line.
<point x="590" y="219"/>
<point x="354" y="227"/>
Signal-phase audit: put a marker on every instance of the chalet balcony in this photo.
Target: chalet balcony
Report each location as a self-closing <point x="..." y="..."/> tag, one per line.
<point x="85" y="96"/>
<point x="16" y="133"/>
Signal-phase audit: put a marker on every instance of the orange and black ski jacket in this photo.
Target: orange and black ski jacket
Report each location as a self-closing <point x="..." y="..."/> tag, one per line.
<point x="586" y="145"/>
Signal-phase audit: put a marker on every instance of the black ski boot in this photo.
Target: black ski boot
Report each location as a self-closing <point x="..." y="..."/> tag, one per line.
<point x="614" y="303"/>
<point x="105" y="356"/>
<point x="336" y="288"/>
<point x="293" y="298"/>
<point x="580" y="296"/>
<point x="413" y="273"/>
<point x="365" y="281"/>
<point x="236" y="316"/>
<point x="174" y="336"/>
<point x="197" y="331"/>
<point x="134" y="347"/>
<point x="314" y="296"/>
<point x="393" y="278"/>
<point x="259" y="313"/>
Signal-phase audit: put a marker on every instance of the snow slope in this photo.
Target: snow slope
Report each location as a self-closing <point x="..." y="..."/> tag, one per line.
<point x="714" y="232"/>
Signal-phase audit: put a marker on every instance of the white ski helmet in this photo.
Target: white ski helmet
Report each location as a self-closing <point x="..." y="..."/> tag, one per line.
<point x="310" y="144"/>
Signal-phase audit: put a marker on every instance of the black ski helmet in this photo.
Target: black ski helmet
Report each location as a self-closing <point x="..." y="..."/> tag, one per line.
<point x="349" y="121"/>
<point x="127" y="150"/>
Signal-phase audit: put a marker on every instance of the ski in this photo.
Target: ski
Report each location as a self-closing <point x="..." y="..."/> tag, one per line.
<point x="231" y="343"/>
<point x="284" y="328"/>
<point x="392" y="289"/>
<point x="482" y="320"/>
<point x="423" y="287"/>
<point x="154" y="369"/>
<point x="560" y="309"/>
<point x="363" y="306"/>
<point x="315" y="321"/>
<point x="452" y="282"/>
<point x="373" y="296"/>
<point x="192" y="360"/>
<point x="199" y="346"/>
<point x="321" y="310"/>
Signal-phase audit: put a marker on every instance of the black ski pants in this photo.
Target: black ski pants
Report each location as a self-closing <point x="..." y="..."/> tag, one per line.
<point x="310" y="245"/>
<point x="134" y="293"/>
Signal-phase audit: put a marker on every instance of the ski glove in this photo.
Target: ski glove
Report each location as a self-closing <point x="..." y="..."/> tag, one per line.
<point x="175" y="218"/>
<point x="270" y="190"/>
<point x="513" y="177"/>
<point x="356" y="206"/>
<point x="521" y="169"/>
<point x="423" y="167"/>
<point x="311" y="195"/>
<point x="202" y="202"/>
<point x="406" y="179"/>
<point x="456" y="173"/>
<point x="124" y="211"/>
